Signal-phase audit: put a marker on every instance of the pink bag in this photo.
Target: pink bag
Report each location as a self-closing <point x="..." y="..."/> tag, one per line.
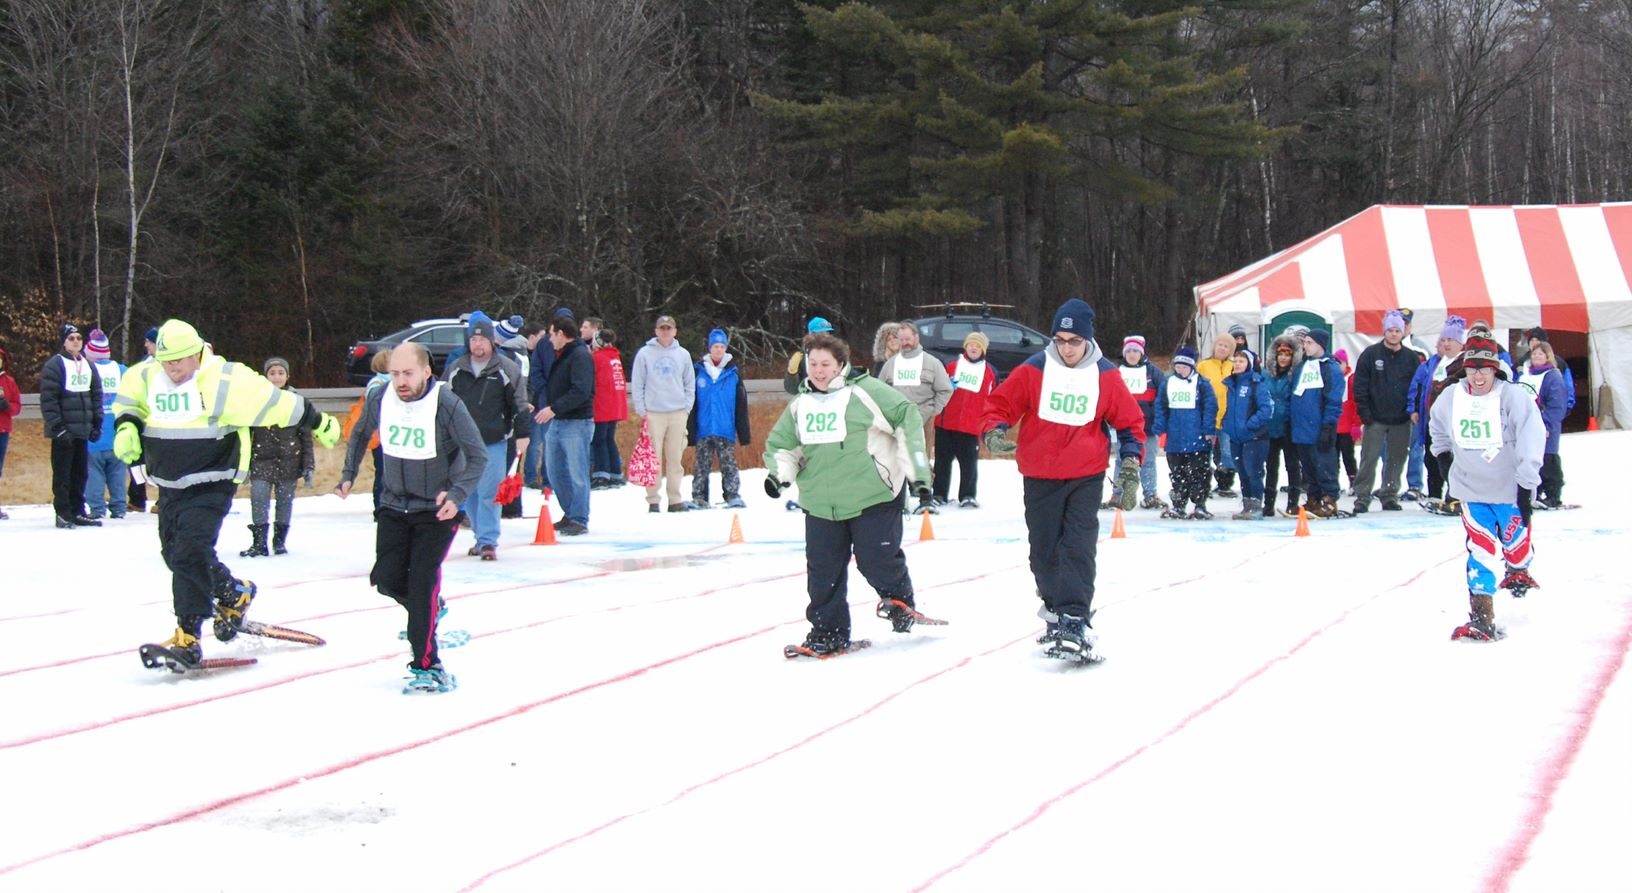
<point x="642" y="468"/>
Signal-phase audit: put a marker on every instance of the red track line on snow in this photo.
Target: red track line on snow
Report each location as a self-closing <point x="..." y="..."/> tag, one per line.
<point x="1178" y="727"/>
<point x="1516" y="854"/>
<point x="286" y="585"/>
<point x="412" y="745"/>
<point x="38" y="616"/>
<point x="684" y="792"/>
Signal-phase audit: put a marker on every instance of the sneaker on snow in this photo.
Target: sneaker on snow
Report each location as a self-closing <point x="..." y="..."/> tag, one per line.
<point x="968" y="502"/>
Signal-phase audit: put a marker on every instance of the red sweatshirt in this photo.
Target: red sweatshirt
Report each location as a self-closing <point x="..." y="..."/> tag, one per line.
<point x="966" y="409"/>
<point x="1054" y="451"/>
<point x="13" y="395"/>
<point x="611" y="392"/>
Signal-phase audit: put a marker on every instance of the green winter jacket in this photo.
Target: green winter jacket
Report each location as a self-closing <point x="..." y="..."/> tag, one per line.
<point x="882" y="447"/>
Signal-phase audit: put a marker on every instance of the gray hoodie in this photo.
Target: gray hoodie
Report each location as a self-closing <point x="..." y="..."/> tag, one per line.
<point x="663" y="379"/>
<point x="411" y="485"/>
<point x="1516" y="463"/>
<point x="934" y="388"/>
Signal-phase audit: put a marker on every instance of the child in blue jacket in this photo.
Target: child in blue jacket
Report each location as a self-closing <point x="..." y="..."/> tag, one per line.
<point x="1186" y="411"/>
<point x="718" y="422"/>
<point x="1249" y="406"/>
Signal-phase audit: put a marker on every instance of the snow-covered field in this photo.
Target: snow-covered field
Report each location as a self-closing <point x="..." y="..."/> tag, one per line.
<point x="1277" y="713"/>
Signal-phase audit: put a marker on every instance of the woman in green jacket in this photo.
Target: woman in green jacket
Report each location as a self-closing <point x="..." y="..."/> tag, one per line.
<point x="853" y="445"/>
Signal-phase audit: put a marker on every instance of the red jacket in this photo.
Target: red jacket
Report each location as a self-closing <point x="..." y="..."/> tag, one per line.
<point x="1053" y="451"/>
<point x="967" y="408"/>
<point x="611" y="392"/>
<point x="1349" y="419"/>
<point x="13" y="395"/>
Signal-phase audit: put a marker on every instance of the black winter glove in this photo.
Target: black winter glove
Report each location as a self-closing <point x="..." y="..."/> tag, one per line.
<point x="1444" y="460"/>
<point x="774" y="487"/>
<point x="5" y="405"/>
<point x="921" y="490"/>
<point x="1328" y="437"/>
<point x="1525" y="509"/>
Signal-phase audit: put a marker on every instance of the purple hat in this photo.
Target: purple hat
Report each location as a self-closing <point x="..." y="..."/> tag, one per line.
<point x="1394" y="319"/>
<point x="97" y="347"/>
<point x="1342" y="356"/>
<point x="1456" y="328"/>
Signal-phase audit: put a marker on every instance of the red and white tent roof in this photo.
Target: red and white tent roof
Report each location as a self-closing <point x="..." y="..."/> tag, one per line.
<point x="1566" y="267"/>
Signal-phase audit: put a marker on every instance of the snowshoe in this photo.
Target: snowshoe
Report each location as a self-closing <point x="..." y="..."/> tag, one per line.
<point x="902" y="616"/>
<point x="1176" y="512"/>
<point x="1201" y="514"/>
<point x="1152" y="502"/>
<point x="824" y="651"/>
<point x="1519" y="582"/>
<point x="1449" y="507"/>
<point x="1072" y="640"/>
<point x="1478" y="630"/>
<point x="433" y="680"/>
<point x="735" y="502"/>
<point x="926" y="507"/>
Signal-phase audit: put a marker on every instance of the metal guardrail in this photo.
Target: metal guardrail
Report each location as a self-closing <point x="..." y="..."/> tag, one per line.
<point x="340" y="399"/>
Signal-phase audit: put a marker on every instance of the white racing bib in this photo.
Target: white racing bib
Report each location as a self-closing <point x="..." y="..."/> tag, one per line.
<point x="1476" y="422"/>
<point x="908" y="373"/>
<point x="819" y="418"/>
<point x="110" y="378"/>
<point x="969" y="375"/>
<point x="1532" y="382"/>
<point x="1069" y="396"/>
<point x="76" y="375"/>
<point x="171" y="405"/>
<point x="1181" y="392"/>
<point x="1135" y="378"/>
<point x="408" y="429"/>
<point x="1441" y="369"/>
<point x="1309" y="379"/>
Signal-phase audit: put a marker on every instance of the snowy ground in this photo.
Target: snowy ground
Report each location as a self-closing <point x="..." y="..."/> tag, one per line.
<point x="1277" y="713"/>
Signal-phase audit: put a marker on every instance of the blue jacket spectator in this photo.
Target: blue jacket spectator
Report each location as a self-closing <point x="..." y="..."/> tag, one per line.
<point x="1188" y="423"/>
<point x="1317" y="398"/>
<point x="1249" y="406"/>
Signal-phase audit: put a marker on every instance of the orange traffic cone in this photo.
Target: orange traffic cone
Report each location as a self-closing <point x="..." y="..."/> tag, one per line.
<point x="1592" y="423"/>
<point x="1303" y="522"/>
<point x="1118" y="532"/>
<point x="546" y="529"/>
<point x="926" y="532"/>
<point x="736" y="531"/>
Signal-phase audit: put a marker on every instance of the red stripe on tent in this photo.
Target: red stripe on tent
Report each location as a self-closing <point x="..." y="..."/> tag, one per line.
<point x="1457" y="256"/>
<point x="1285" y="284"/>
<point x="1619" y="219"/>
<point x="1552" y="269"/>
<point x="1371" y="270"/>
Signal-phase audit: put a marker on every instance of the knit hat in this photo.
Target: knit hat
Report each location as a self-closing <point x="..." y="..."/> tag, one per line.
<point x="176" y="340"/>
<point x="97" y="347"/>
<point x="979" y="338"/>
<point x="1252" y="358"/>
<point x="1076" y="317"/>
<point x="67" y="329"/>
<point x="1538" y="333"/>
<point x="1393" y="319"/>
<point x="1134" y="341"/>
<point x="1185" y="357"/>
<point x="1296" y="331"/>
<point x="716" y="336"/>
<point x="1341" y="355"/>
<point x="509" y="328"/>
<point x="481" y="325"/>
<point x="1481" y="353"/>
<point x="152" y="335"/>
<point x="1238" y="329"/>
<point x="274" y="361"/>
<point x="1456" y="328"/>
<point x="818" y="324"/>
<point x="1322" y="338"/>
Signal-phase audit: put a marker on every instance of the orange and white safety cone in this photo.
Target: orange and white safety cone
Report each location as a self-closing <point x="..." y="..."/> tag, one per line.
<point x="1303" y="522"/>
<point x="1118" y="532"/>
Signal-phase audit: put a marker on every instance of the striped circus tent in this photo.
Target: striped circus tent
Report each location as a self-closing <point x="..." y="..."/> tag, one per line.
<point x="1562" y="267"/>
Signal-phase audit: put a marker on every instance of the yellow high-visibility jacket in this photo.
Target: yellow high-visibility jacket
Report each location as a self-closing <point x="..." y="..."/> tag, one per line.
<point x="198" y="431"/>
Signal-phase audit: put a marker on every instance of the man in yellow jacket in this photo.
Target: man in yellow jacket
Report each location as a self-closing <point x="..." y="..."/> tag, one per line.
<point x="189" y="413"/>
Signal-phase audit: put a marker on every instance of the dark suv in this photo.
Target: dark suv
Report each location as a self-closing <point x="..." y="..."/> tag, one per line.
<point x="440" y="336"/>
<point x="1012" y="343"/>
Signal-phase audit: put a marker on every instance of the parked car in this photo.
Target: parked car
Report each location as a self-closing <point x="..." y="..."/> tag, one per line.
<point x="440" y="336"/>
<point x="1012" y="342"/>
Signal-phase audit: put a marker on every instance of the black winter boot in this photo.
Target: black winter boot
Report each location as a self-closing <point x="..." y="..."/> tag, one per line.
<point x="280" y="536"/>
<point x="256" y="548"/>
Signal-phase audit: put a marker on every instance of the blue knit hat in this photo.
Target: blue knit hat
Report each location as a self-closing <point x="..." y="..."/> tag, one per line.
<point x="1076" y="317"/>
<point x="716" y="336"/>
<point x="1322" y="338"/>
<point x="1185" y="357"/>
<point x="818" y="324"/>
<point x="152" y="335"/>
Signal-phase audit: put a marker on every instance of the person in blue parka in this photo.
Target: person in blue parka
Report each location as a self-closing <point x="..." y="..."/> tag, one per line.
<point x="1187" y="412"/>
<point x="1317" y="400"/>
<point x="718" y="422"/>
<point x="1249" y="406"/>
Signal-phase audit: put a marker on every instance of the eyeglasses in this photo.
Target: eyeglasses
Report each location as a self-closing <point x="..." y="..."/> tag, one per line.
<point x="1070" y="342"/>
<point x="74" y="338"/>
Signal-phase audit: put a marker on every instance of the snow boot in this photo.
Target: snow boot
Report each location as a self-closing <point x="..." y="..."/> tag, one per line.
<point x="184" y="644"/>
<point x="230" y="608"/>
<point x="257" y="545"/>
<point x="1292" y="502"/>
<point x="1251" y="510"/>
<point x="827" y="641"/>
<point x="1073" y="638"/>
<point x="1177" y="511"/>
<point x="1201" y="513"/>
<point x="1153" y="502"/>
<point x="1481" y="625"/>
<point x="967" y="502"/>
<point x="897" y="609"/>
<point x="280" y="539"/>
<point x="1226" y="482"/>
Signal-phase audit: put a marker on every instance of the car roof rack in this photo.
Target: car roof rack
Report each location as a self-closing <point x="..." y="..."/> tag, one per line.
<point x="950" y="306"/>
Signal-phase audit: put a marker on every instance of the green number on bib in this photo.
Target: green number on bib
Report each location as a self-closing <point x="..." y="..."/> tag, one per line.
<point x="821" y="422"/>
<point x="1068" y="404"/>
<point x="1473" y="429"/>
<point x="419" y="438"/>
